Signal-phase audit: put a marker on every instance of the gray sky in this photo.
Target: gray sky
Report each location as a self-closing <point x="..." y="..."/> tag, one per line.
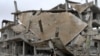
<point x="7" y="6"/>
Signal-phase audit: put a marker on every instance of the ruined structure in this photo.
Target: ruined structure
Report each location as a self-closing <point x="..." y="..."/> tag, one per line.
<point x="65" y="30"/>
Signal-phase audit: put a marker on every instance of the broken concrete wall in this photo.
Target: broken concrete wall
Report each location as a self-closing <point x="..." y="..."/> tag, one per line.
<point x="68" y="25"/>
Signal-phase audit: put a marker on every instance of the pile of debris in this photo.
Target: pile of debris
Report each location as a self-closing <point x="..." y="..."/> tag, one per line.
<point x="65" y="30"/>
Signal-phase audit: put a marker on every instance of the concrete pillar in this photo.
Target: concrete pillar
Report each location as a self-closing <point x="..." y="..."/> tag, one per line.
<point x="51" y="45"/>
<point x="35" y="53"/>
<point x="66" y="5"/>
<point x="23" y="48"/>
<point x="96" y="2"/>
<point x="86" y="1"/>
<point x="13" y="48"/>
<point x="98" y="48"/>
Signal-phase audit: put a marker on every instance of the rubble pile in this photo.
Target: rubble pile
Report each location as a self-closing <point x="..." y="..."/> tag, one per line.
<point x="65" y="30"/>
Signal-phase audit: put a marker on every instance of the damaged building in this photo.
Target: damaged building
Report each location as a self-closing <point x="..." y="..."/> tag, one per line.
<point x="64" y="30"/>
